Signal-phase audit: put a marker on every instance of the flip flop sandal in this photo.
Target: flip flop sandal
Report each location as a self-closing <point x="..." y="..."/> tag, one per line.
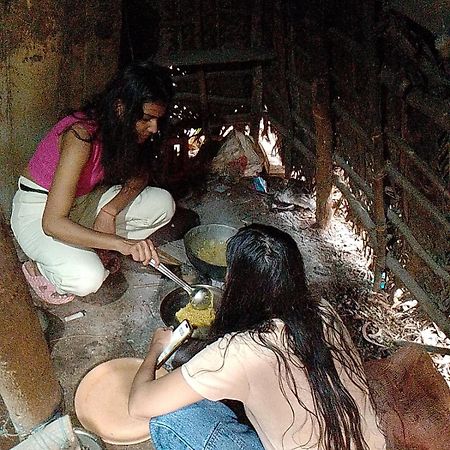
<point x="43" y="288"/>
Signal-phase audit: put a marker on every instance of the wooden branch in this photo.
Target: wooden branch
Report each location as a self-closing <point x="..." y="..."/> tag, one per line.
<point x="424" y="168"/>
<point x="358" y="209"/>
<point x="302" y="124"/>
<point x="428" y="348"/>
<point x="353" y="176"/>
<point x="428" y="304"/>
<point x="216" y="56"/>
<point x="213" y="75"/>
<point x="401" y="180"/>
<point x="324" y="151"/>
<point x="416" y="247"/>
<point x="348" y="43"/>
<point x="436" y="109"/>
<point x="194" y="97"/>
<point x="354" y="124"/>
<point x="310" y="156"/>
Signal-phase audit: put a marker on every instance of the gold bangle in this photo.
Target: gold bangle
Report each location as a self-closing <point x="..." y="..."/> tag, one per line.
<point x="109" y="214"/>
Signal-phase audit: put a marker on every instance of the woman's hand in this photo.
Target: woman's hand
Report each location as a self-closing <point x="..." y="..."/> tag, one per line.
<point x="141" y="251"/>
<point x="105" y="222"/>
<point x="160" y="340"/>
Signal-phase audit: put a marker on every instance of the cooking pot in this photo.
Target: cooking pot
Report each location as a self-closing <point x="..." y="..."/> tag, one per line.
<point x="196" y="239"/>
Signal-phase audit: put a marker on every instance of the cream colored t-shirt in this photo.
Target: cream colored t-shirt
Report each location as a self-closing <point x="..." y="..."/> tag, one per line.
<point x="248" y="372"/>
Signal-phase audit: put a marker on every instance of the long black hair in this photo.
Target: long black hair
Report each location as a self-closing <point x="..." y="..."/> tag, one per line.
<point x="265" y="281"/>
<point x="123" y="157"/>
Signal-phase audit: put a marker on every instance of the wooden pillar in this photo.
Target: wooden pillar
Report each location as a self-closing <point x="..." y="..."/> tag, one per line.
<point x="257" y="83"/>
<point x="376" y="96"/>
<point x="28" y="385"/>
<point x="281" y="45"/>
<point x="324" y="140"/>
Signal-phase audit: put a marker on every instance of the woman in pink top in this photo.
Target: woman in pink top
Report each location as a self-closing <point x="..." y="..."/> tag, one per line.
<point x="284" y="355"/>
<point x="86" y="187"/>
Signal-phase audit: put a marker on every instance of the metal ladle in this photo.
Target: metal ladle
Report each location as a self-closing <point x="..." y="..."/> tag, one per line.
<point x="200" y="297"/>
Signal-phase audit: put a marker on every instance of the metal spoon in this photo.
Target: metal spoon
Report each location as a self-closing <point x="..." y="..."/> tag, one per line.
<point x="199" y="297"/>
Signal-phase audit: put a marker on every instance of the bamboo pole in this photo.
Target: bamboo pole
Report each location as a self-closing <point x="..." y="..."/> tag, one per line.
<point x="348" y="118"/>
<point x="428" y="348"/>
<point x="280" y="47"/>
<point x="307" y="153"/>
<point x="401" y="180"/>
<point x="324" y="151"/>
<point x="216" y="75"/>
<point x="417" y="248"/>
<point x="192" y="96"/>
<point x="423" y="167"/>
<point x="358" y="209"/>
<point x="428" y="304"/>
<point x="434" y="108"/>
<point x="377" y="141"/>
<point x="302" y="124"/>
<point x="257" y="80"/>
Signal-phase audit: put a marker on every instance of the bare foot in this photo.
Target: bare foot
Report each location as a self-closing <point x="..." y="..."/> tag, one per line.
<point x="32" y="269"/>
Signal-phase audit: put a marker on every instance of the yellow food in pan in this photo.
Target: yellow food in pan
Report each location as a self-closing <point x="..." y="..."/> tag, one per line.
<point x="213" y="252"/>
<point x="196" y="317"/>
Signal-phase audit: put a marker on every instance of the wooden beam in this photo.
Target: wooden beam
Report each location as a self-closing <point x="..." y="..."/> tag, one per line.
<point x="309" y="155"/>
<point x="217" y="56"/>
<point x="194" y="97"/>
<point x="401" y="180"/>
<point x="354" y="124"/>
<point x="214" y="75"/>
<point x="358" y="209"/>
<point x="324" y="151"/>
<point x="428" y="304"/>
<point x="436" y="109"/>
<point x="423" y="167"/>
<point x="417" y="248"/>
<point x="428" y="348"/>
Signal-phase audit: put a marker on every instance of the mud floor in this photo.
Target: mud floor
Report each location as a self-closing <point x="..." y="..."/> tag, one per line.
<point x="120" y="318"/>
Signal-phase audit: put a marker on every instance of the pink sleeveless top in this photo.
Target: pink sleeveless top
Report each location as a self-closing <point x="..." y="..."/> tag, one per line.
<point x="42" y="165"/>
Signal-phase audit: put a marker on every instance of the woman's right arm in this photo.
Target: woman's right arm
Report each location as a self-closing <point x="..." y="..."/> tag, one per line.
<point x="56" y="223"/>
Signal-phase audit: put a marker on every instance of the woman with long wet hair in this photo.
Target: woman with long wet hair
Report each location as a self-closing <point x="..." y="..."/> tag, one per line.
<point x="285" y="355"/>
<point x="85" y="192"/>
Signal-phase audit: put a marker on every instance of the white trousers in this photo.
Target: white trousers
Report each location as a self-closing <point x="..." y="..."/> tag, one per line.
<point x="78" y="270"/>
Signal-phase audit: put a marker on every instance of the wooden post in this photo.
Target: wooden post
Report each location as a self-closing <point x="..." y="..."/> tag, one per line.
<point x="324" y="151"/>
<point x="281" y="44"/>
<point x="257" y="82"/>
<point x="28" y="384"/>
<point x="377" y="147"/>
<point x="202" y="86"/>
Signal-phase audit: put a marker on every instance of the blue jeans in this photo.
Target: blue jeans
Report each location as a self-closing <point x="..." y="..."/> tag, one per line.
<point x="205" y="425"/>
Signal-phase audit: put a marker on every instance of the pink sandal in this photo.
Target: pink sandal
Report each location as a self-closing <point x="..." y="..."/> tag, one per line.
<point x="43" y="288"/>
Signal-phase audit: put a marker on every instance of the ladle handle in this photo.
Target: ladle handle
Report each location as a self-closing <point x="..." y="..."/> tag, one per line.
<point x="169" y="274"/>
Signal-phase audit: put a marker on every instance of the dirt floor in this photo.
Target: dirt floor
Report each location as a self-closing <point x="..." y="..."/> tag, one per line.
<point x="120" y="318"/>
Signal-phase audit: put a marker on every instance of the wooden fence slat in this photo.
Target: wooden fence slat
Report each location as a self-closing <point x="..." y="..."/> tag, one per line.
<point x="428" y="304"/>
<point x="417" y="248"/>
<point x="400" y="179"/>
<point x="195" y="97"/>
<point x="424" y="168"/>
<point x="307" y="153"/>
